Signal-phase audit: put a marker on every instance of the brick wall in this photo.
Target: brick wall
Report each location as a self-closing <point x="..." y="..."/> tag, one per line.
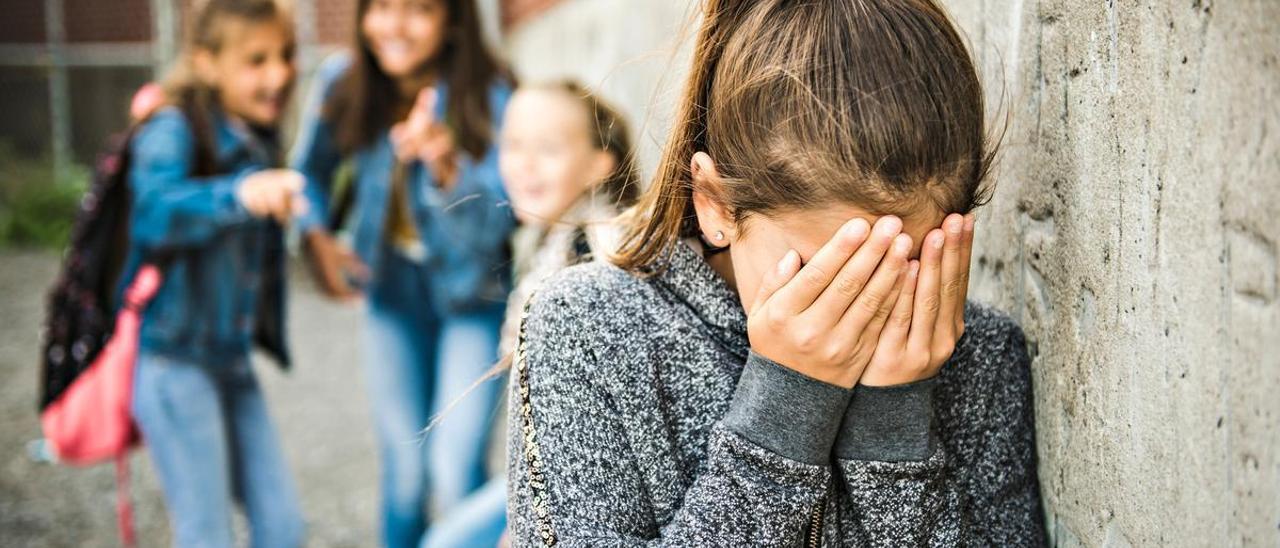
<point x="335" y="21"/>
<point x="23" y="21"/>
<point x="515" y="12"/>
<point x="106" y="21"/>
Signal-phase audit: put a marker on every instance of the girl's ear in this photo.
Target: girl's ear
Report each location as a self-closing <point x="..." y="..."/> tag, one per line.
<point x="203" y="62"/>
<point x="602" y="166"/>
<point x="714" y="220"/>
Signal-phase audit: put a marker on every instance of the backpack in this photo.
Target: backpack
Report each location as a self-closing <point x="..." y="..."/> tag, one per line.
<point x="90" y="342"/>
<point x="81" y="308"/>
<point x="80" y="314"/>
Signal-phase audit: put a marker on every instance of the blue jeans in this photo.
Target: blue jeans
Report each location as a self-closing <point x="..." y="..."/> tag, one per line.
<point x="212" y="443"/>
<point x="418" y="364"/>
<point x="476" y="523"/>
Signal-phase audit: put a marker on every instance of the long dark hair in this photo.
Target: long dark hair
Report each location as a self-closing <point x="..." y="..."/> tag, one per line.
<point x="365" y="100"/>
<point x="874" y="103"/>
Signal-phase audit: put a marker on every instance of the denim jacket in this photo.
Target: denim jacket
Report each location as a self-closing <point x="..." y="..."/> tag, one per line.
<point x="464" y="230"/>
<point x="223" y="268"/>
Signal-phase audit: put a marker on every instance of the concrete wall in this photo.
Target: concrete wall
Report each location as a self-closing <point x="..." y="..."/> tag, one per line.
<point x="1133" y="234"/>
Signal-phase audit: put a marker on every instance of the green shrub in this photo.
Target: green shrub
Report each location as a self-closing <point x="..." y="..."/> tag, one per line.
<point x="37" y="207"/>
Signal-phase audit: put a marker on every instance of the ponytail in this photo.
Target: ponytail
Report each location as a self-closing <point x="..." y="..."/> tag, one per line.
<point x="664" y="213"/>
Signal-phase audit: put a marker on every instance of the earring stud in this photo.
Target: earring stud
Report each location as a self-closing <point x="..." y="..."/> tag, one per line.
<point x="719" y="235"/>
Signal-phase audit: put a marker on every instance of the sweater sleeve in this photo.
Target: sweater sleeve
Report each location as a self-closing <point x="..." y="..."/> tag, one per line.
<point x="573" y="477"/>
<point x="894" y="489"/>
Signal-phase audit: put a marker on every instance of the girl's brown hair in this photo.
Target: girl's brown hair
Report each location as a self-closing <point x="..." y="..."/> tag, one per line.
<point x="874" y="103"/>
<point x="608" y="132"/>
<point x="209" y="31"/>
<point x="364" y="101"/>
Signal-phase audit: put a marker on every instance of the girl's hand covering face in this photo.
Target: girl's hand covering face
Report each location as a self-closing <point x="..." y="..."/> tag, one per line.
<point x="824" y="319"/>
<point x="928" y="319"/>
<point x="860" y="310"/>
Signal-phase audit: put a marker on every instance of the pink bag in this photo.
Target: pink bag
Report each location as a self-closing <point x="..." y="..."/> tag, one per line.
<point x="90" y="422"/>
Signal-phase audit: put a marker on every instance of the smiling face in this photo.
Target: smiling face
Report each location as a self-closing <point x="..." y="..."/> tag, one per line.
<point x="253" y="71"/>
<point x="546" y="155"/>
<point x="404" y="35"/>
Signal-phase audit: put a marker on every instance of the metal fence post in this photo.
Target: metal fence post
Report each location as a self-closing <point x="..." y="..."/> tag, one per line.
<point x="59" y="96"/>
<point x="164" y="42"/>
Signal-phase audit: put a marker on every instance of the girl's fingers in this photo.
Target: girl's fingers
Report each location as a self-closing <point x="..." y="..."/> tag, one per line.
<point x="873" y="303"/>
<point x="299" y="205"/>
<point x="420" y="115"/>
<point x="331" y="267"/>
<point x="419" y="121"/>
<point x="247" y="199"/>
<point x="778" y="276"/>
<point x="271" y="199"/>
<point x="280" y="206"/>
<point x="814" y="277"/>
<point x="279" y="217"/>
<point x="425" y="106"/>
<point x="954" y="278"/>
<point x="875" y="328"/>
<point x="831" y="305"/>
<point x="403" y="149"/>
<point x="898" y="325"/>
<point x="338" y="287"/>
<point x="258" y="203"/>
<point x="429" y="152"/>
<point x="397" y="135"/>
<point x="292" y="205"/>
<point x="435" y="146"/>
<point x="351" y="264"/>
<point x="890" y="328"/>
<point x="294" y="182"/>
<point x="928" y="300"/>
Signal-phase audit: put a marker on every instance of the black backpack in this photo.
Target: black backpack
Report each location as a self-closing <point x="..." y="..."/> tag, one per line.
<point x="81" y="307"/>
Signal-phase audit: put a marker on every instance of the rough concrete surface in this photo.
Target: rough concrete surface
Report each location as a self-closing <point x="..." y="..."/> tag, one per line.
<point x="1133" y="234"/>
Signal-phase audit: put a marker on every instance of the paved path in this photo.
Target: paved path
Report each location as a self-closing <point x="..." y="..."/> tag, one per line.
<point x="320" y="409"/>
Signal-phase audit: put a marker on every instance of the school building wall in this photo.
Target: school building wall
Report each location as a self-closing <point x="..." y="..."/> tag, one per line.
<point x="1133" y="235"/>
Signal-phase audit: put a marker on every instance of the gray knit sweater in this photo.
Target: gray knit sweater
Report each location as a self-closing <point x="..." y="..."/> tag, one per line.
<point x="639" y="417"/>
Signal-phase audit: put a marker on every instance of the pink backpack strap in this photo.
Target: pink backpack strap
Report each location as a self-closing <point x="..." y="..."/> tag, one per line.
<point x="124" y="503"/>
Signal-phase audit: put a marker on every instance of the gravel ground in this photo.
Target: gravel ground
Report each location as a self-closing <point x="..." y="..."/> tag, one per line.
<point x="320" y="409"/>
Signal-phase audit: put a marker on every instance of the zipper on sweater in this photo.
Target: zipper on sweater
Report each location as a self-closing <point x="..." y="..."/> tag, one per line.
<point x="815" y="523"/>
